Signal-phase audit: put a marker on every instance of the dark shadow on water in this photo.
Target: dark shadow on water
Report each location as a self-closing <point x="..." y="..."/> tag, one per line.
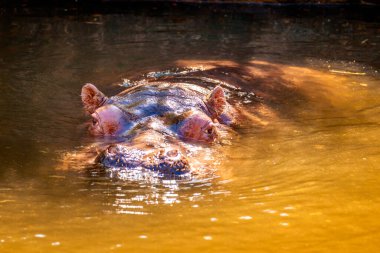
<point x="23" y="159"/>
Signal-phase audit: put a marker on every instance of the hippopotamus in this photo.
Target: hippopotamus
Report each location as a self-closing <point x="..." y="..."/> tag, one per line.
<point x="181" y="124"/>
<point x="156" y="126"/>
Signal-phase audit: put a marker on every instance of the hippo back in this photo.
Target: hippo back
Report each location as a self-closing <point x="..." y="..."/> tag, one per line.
<point x="161" y="98"/>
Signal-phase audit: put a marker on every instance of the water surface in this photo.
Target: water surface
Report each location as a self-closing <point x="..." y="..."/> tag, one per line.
<point x="306" y="182"/>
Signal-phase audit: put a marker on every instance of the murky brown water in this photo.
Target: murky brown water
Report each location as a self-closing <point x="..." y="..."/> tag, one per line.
<point x="307" y="182"/>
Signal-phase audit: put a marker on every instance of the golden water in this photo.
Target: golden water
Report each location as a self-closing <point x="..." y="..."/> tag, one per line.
<point x="306" y="182"/>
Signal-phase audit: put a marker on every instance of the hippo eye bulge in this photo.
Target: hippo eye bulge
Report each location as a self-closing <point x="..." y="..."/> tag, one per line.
<point x="209" y="129"/>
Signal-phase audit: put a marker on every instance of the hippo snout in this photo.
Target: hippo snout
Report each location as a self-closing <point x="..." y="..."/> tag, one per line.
<point x="120" y="156"/>
<point x="166" y="161"/>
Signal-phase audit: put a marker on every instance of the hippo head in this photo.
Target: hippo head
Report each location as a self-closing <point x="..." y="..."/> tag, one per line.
<point x="155" y="131"/>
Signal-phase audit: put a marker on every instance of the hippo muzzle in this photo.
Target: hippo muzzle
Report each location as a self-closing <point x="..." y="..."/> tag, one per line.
<point x="167" y="162"/>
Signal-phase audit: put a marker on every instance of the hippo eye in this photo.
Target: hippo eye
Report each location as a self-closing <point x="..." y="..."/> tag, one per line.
<point x="209" y="130"/>
<point x="94" y="121"/>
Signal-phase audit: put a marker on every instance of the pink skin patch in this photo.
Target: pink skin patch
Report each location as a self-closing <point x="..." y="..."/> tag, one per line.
<point x="198" y="127"/>
<point x="107" y="121"/>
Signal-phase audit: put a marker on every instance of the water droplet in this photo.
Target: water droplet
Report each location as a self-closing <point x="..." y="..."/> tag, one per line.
<point x="55" y="243"/>
<point x="207" y="237"/>
<point x="285" y="224"/>
<point x="143" y="236"/>
<point x="39" y="235"/>
<point x="213" y="219"/>
<point x="245" y="218"/>
<point x="284" y="214"/>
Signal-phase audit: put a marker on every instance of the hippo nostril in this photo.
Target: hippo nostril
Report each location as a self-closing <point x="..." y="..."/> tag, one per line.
<point x="118" y="156"/>
<point x="172" y="153"/>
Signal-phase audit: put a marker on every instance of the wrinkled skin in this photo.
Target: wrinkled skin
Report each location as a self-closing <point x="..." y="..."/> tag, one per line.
<point x="155" y="122"/>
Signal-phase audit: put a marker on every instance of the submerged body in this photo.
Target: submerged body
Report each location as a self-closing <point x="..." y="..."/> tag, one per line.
<point x="176" y="124"/>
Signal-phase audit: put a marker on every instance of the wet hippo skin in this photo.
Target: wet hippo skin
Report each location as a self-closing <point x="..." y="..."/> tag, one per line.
<point x="154" y="122"/>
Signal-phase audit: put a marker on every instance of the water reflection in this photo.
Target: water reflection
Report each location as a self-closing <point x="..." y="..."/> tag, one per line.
<point x="133" y="197"/>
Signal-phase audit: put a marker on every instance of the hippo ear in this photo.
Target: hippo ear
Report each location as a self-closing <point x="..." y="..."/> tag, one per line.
<point x="216" y="102"/>
<point x="92" y="98"/>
